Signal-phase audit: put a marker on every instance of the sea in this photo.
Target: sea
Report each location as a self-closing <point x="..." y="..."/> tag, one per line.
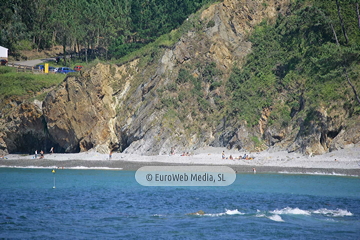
<point x="111" y="204"/>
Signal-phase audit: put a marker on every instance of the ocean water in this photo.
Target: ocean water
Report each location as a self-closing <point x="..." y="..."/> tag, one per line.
<point x="110" y="204"/>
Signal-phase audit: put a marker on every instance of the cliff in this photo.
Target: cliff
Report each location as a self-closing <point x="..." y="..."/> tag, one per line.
<point x="172" y="98"/>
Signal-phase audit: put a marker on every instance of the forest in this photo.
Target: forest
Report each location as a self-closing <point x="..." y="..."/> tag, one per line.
<point x="311" y="55"/>
<point x="103" y="28"/>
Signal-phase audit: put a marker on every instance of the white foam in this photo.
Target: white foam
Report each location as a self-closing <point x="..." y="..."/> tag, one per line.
<point x="227" y="212"/>
<point x="320" y="173"/>
<point x="323" y="211"/>
<point x="276" y="218"/>
<point x="288" y="210"/>
<point x="55" y="167"/>
<point x="233" y="212"/>
<point x="36" y="167"/>
<point x="334" y="213"/>
<point x="94" y="168"/>
<point x="259" y="213"/>
<point x="213" y="214"/>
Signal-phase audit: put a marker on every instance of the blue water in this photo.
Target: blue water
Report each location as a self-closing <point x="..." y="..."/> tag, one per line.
<point x="110" y="204"/>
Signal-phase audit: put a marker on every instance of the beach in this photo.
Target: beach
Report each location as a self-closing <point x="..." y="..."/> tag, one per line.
<point x="340" y="162"/>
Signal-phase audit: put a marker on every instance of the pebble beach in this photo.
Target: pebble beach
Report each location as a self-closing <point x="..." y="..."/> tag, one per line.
<point x="340" y="162"/>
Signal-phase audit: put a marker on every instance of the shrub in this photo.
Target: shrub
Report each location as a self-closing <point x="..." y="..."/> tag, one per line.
<point x="24" y="45"/>
<point x="215" y="85"/>
<point x="211" y="24"/>
<point x="183" y="76"/>
<point x="172" y="87"/>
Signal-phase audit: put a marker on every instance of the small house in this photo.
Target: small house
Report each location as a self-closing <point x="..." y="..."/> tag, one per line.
<point x="3" y="53"/>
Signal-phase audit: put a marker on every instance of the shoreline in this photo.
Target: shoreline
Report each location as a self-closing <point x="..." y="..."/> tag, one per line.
<point x="133" y="166"/>
<point x="340" y="162"/>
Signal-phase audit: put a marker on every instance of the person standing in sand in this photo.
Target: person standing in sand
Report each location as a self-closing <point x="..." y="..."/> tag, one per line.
<point x="110" y="155"/>
<point x="35" y="154"/>
<point x="172" y="151"/>
<point x="254" y="170"/>
<point x="223" y="155"/>
<point x="51" y="150"/>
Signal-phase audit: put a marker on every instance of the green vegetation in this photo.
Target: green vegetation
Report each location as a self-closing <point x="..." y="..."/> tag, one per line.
<point x="299" y="60"/>
<point x="95" y="29"/>
<point x="25" y="85"/>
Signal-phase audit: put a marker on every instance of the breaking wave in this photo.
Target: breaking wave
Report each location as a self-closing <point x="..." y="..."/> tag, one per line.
<point x="55" y="167"/>
<point x="227" y="212"/>
<point x="322" y="211"/>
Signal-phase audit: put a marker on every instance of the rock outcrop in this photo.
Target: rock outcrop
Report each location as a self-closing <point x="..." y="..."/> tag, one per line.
<point x="23" y="128"/>
<point x="80" y="113"/>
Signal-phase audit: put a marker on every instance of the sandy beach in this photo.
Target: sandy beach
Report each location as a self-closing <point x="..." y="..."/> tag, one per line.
<point x="341" y="162"/>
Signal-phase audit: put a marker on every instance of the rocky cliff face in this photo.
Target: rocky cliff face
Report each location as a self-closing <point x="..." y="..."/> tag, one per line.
<point x="174" y="99"/>
<point x="80" y="113"/>
<point x="23" y="126"/>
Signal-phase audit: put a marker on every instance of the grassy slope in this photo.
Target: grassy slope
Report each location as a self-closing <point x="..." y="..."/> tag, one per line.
<point x="14" y="85"/>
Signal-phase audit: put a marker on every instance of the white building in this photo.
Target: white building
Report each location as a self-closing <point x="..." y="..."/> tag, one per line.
<point x="3" y="53"/>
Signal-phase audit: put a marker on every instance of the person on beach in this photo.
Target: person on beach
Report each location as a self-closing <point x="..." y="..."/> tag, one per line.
<point x="254" y="170"/>
<point x="41" y="154"/>
<point x="223" y="155"/>
<point x="172" y="151"/>
<point x="110" y="155"/>
<point x="51" y="150"/>
<point x="231" y="157"/>
<point x="35" y="154"/>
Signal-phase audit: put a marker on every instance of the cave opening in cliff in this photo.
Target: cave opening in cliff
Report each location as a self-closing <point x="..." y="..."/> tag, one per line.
<point x="27" y="143"/>
<point x="323" y="139"/>
<point x="333" y="134"/>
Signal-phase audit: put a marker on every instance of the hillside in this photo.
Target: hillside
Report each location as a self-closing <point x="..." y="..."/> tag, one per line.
<point x="249" y="75"/>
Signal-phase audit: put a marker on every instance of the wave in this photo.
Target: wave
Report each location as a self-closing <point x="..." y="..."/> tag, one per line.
<point x="320" y="173"/>
<point x="227" y="212"/>
<point x="276" y="218"/>
<point x="288" y="210"/>
<point x="275" y="215"/>
<point x="36" y="167"/>
<point x="333" y="213"/>
<point x="322" y="211"/>
<point x="55" y="167"/>
<point x="97" y="168"/>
